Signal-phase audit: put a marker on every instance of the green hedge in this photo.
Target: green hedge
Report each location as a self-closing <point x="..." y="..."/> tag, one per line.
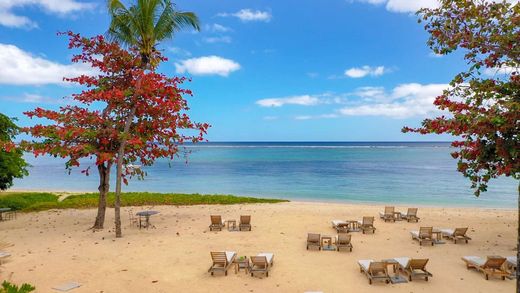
<point x="34" y="201"/>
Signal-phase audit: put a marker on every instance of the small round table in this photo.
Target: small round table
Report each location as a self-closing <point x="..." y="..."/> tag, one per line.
<point x="147" y="215"/>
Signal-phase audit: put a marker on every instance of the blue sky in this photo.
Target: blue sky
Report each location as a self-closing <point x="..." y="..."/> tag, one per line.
<point x="334" y="70"/>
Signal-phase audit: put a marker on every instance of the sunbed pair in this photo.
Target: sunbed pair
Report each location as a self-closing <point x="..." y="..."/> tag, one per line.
<point x="222" y="261"/>
<point x="217" y="223"/>
<point x="494" y="266"/>
<point x="342" y="241"/>
<point x="390" y="214"/>
<point x="366" y="225"/>
<point x="378" y="270"/>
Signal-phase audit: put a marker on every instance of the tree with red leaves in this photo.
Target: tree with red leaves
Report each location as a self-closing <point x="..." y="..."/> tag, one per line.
<point x="95" y="129"/>
<point x="484" y="101"/>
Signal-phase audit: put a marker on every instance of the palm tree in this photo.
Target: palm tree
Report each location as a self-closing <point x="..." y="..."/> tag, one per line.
<point x="141" y="26"/>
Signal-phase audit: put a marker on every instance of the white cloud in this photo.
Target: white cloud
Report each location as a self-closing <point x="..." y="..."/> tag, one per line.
<point x="33" y="99"/>
<point x="207" y="65"/>
<point x="18" y="67"/>
<point x="223" y="39"/>
<point x="309" y="117"/>
<point x="504" y="70"/>
<point x="60" y="7"/>
<point x="358" y="72"/>
<point x="217" y="28"/>
<point x="247" y="15"/>
<point x="406" y="100"/>
<point x="410" y="6"/>
<point x="303" y="100"/>
<point x="179" y="51"/>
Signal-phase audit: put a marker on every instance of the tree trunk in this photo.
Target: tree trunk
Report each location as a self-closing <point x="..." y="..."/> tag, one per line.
<point x="104" y="187"/>
<point x="518" y="244"/>
<point x="119" y="172"/>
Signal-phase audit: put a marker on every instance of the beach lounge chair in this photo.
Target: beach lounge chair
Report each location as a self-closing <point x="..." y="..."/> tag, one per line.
<point x="340" y="226"/>
<point x="374" y="270"/>
<point x="343" y="241"/>
<point x="457" y="234"/>
<point x="245" y="223"/>
<point x="388" y="215"/>
<point x="411" y="215"/>
<point x="222" y="261"/>
<point x="413" y="267"/>
<point x="490" y="266"/>
<point x="216" y="223"/>
<point x="367" y="224"/>
<point x="313" y="239"/>
<point x="424" y="234"/>
<point x="261" y="263"/>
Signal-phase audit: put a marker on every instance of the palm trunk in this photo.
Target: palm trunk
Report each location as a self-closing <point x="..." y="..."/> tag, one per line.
<point x="119" y="172"/>
<point x="104" y="187"/>
<point x="518" y="245"/>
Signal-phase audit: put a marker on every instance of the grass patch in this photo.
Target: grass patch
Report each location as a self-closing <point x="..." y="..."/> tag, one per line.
<point x="39" y="201"/>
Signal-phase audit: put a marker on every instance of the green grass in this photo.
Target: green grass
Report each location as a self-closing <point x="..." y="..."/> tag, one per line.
<point x="39" y="201"/>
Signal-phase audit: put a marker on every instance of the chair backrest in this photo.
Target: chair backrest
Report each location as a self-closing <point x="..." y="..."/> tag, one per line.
<point x="313" y="237"/>
<point x="417" y="263"/>
<point x="389" y="210"/>
<point x="460" y="231"/>
<point x="412" y="212"/>
<point x="344" y="238"/>
<point x="494" y="262"/>
<point x="216" y="220"/>
<point x="219" y="257"/>
<point x="377" y="267"/>
<point x="259" y="261"/>
<point x="425" y="232"/>
<point x="245" y="220"/>
<point x="368" y="221"/>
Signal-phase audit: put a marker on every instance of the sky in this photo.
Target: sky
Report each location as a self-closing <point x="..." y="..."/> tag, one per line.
<point x="334" y="70"/>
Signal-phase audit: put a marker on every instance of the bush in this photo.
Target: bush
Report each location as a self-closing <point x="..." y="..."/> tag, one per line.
<point x="11" y="288"/>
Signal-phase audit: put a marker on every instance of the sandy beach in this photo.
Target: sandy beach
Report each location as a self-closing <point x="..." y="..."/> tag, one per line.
<point x="55" y="247"/>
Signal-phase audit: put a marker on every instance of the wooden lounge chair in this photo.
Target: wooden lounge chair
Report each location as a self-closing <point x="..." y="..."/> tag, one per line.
<point x="245" y="223"/>
<point x="343" y="241"/>
<point x="457" y="234"/>
<point x="425" y="234"/>
<point x="411" y="215"/>
<point x="374" y="270"/>
<point x="313" y="239"/>
<point x="261" y="263"/>
<point x="388" y="215"/>
<point x="492" y="266"/>
<point x="413" y="267"/>
<point x="367" y="224"/>
<point x="340" y="226"/>
<point x="222" y="261"/>
<point x="216" y="223"/>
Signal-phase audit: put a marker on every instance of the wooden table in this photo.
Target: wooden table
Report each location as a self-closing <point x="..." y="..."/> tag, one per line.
<point x="328" y="239"/>
<point x="398" y="216"/>
<point x="241" y="263"/>
<point x="231" y="225"/>
<point x="146" y="215"/>
<point x="353" y="225"/>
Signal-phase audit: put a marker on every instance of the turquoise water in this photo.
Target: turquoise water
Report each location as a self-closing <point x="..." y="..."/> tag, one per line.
<point x="415" y="173"/>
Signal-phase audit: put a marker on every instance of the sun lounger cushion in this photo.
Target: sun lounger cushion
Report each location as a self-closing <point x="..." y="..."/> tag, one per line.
<point x="415" y="233"/>
<point x="447" y="231"/>
<point x="511" y="260"/>
<point x="365" y="263"/>
<point x="4" y="254"/>
<point x="230" y="255"/>
<point x="335" y="223"/>
<point x="476" y="260"/>
<point x="269" y="256"/>
<point x="403" y="261"/>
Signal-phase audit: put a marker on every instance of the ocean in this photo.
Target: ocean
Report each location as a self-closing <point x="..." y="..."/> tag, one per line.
<point x="419" y="173"/>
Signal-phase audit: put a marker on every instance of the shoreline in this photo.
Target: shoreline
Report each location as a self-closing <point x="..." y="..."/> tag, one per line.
<point x="302" y="200"/>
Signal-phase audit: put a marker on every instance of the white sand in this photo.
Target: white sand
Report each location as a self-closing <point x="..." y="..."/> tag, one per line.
<point x="55" y="247"/>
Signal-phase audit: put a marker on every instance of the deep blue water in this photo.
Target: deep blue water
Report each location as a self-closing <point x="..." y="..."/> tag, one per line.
<point x="385" y="172"/>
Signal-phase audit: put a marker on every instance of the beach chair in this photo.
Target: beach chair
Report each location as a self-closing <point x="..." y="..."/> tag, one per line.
<point x="413" y="267"/>
<point x="388" y="215"/>
<point x="425" y="234"/>
<point x="343" y="241"/>
<point x="216" y="223"/>
<point x="134" y="221"/>
<point x="367" y="224"/>
<point x="457" y="234"/>
<point x="340" y="226"/>
<point x="222" y="261"/>
<point x="374" y="270"/>
<point x="4" y="254"/>
<point x="490" y="266"/>
<point x="411" y="215"/>
<point x="245" y="223"/>
<point x="261" y="263"/>
<point x="313" y="239"/>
